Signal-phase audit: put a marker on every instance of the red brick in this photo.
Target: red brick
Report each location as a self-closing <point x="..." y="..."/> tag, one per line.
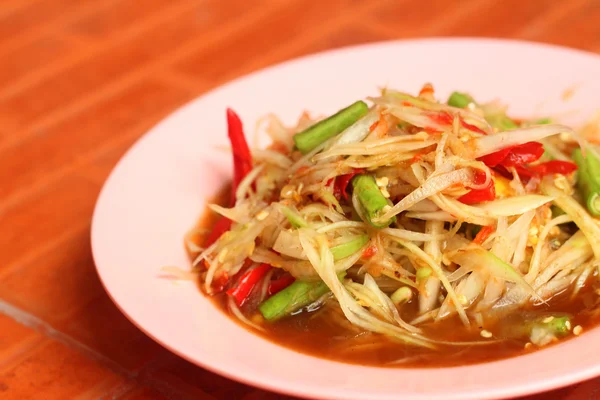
<point x="579" y="29"/>
<point x="85" y="77"/>
<point x="36" y="13"/>
<point x="143" y="393"/>
<point x="102" y="327"/>
<point x="126" y="115"/>
<point x="15" y="339"/>
<point x="33" y="57"/>
<point x="55" y="372"/>
<point x="34" y="222"/>
<point x="120" y="16"/>
<point x="346" y="35"/>
<point x="500" y="18"/>
<point x="56" y="283"/>
<point x="189" y="378"/>
<point x="275" y="30"/>
<point x="414" y="18"/>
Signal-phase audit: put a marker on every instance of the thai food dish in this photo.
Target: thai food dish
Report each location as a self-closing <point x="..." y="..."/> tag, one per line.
<point x="408" y="231"/>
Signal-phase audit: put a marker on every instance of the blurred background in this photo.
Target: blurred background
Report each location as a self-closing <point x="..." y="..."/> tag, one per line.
<point x="81" y="80"/>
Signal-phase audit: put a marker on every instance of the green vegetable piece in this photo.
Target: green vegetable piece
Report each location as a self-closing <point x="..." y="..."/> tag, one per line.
<point x="543" y="330"/>
<point x="371" y="199"/>
<point x="350" y="247"/>
<point x="502" y="122"/>
<point x="423" y="273"/>
<point x="499" y="121"/>
<point x="294" y="218"/>
<point x="291" y="299"/>
<point x="401" y="295"/>
<point x="559" y="325"/>
<point x="460" y="100"/>
<point x="318" y="133"/>
<point x="542" y="121"/>
<point x="588" y="179"/>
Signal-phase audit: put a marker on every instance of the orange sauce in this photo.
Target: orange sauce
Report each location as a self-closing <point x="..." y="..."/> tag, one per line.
<point x="314" y="332"/>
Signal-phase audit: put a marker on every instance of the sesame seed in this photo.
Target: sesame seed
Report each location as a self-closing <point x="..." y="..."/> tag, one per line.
<point x="262" y="215"/>
<point x="486" y="334"/>
<point x="463" y="299"/>
<point x="528" y="345"/>
<point x="548" y="319"/>
<point x="385" y="193"/>
<point x="554" y="231"/>
<point x="577" y="330"/>
<point x="383" y="181"/>
<point x="287" y="192"/>
<point x="568" y="325"/>
<point x="222" y="255"/>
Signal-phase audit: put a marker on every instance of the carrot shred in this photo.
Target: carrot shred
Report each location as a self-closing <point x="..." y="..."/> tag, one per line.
<point x="483" y="234"/>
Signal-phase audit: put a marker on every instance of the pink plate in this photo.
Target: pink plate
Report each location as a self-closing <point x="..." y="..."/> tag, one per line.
<point x="160" y="187"/>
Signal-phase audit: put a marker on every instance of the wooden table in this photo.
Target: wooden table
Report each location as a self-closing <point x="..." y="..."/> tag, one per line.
<point x="81" y="80"/>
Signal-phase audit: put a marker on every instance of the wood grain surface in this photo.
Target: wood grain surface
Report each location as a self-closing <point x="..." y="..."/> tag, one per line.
<point x="81" y="80"/>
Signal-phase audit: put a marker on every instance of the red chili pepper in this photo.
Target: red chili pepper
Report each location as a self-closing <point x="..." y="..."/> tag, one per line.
<point x="242" y="164"/>
<point x="342" y="181"/>
<point x="493" y="159"/>
<point x="242" y="159"/>
<point x="277" y="285"/>
<point x="222" y="226"/>
<point x="488" y="193"/>
<point x="242" y="291"/>
<point x="524" y="154"/>
<point x="432" y="131"/>
<point x="553" y="167"/>
<point x="417" y="157"/>
<point x="527" y="172"/>
<point x="441" y="118"/>
<point x="369" y="251"/>
<point x="472" y="127"/>
<point x="483" y="234"/>
<point x="516" y="155"/>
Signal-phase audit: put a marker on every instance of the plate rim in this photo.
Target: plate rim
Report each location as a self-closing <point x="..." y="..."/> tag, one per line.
<point x="525" y="389"/>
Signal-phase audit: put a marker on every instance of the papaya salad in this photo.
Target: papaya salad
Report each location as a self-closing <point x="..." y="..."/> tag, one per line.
<point x="404" y="230"/>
